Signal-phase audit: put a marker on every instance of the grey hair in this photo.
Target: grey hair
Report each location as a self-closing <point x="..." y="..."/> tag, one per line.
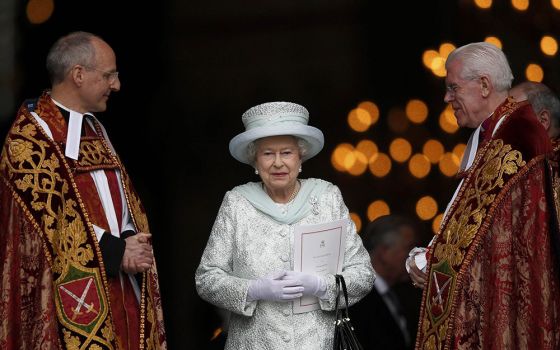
<point x="303" y="147"/>
<point x="68" y="51"/>
<point x="479" y="59"/>
<point x="541" y="98"/>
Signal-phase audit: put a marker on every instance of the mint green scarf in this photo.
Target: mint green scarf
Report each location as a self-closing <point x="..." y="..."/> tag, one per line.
<point x="298" y="209"/>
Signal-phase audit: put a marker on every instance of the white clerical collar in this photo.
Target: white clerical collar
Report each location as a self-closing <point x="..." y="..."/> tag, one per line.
<point x="381" y="286"/>
<point x="472" y="146"/>
<point x="470" y="151"/>
<point x="74" y="131"/>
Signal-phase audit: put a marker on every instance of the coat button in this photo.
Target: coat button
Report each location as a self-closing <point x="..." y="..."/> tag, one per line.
<point x="286" y="312"/>
<point x="284" y="257"/>
<point x="286" y="337"/>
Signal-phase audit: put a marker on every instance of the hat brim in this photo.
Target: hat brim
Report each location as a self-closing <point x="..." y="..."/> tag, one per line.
<point x="313" y="136"/>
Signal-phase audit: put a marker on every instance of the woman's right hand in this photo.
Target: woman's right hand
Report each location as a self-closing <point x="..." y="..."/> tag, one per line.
<point x="274" y="288"/>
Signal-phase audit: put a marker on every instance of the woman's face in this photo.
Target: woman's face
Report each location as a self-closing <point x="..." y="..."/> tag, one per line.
<point x="278" y="162"/>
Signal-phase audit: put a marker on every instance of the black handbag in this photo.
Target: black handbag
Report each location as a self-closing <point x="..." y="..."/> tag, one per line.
<point x="344" y="336"/>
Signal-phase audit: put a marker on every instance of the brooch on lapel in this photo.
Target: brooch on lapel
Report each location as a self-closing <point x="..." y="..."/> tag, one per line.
<point x="314" y="205"/>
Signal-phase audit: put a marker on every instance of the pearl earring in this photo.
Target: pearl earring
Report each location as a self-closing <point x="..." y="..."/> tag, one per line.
<point x="300" y="169"/>
<point x="256" y="171"/>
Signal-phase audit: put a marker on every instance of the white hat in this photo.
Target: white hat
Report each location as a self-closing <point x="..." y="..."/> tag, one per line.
<point x="275" y="119"/>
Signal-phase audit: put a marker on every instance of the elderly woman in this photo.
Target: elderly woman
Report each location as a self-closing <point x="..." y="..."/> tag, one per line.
<point x="247" y="265"/>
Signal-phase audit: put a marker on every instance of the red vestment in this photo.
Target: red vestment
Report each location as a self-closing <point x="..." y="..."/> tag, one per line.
<point x="54" y="291"/>
<point x="493" y="278"/>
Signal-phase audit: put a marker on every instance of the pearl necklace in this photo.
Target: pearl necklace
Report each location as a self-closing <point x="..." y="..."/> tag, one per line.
<point x="292" y="196"/>
<point x="295" y="192"/>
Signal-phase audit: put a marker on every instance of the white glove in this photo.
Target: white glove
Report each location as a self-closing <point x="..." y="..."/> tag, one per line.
<point x="312" y="284"/>
<point x="274" y="288"/>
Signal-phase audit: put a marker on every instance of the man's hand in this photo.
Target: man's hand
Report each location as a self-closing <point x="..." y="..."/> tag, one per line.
<point x="138" y="256"/>
<point x="417" y="276"/>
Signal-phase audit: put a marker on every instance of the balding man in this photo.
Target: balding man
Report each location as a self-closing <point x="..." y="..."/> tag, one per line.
<point x="78" y="269"/>
<point x="545" y="103"/>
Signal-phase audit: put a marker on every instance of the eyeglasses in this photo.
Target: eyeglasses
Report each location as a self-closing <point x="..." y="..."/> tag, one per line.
<point x="110" y="77"/>
<point x="454" y="88"/>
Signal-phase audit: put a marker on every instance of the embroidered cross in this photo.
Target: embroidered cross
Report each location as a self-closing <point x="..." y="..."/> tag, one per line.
<point x="439" y="291"/>
<point x="81" y="300"/>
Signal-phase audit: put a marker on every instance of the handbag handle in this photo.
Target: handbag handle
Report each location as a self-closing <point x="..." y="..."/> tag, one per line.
<point x="340" y="282"/>
<point x="344" y="336"/>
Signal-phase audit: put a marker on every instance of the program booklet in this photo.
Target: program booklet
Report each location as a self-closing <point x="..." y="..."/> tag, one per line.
<point x="319" y="250"/>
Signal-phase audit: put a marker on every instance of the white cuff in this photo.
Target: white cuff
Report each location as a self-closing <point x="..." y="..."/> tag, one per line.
<point x="419" y="256"/>
<point x="322" y="289"/>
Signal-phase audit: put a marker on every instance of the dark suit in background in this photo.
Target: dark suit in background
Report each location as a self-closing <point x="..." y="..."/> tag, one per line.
<point x="393" y="299"/>
<point x="375" y="325"/>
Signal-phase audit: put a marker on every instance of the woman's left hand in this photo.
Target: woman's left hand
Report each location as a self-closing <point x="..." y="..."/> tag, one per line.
<point x="312" y="284"/>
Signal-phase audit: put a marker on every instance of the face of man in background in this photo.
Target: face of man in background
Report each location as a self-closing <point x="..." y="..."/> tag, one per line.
<point x="390" y="260"/>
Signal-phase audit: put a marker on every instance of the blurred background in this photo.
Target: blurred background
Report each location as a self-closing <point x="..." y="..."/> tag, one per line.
<point x="369" y="72"/>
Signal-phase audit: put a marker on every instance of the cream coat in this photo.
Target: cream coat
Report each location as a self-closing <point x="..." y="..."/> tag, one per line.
<point x="246" y="244"/>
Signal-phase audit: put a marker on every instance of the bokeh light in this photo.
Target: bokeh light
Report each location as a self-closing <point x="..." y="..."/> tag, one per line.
<point x="368" y="148"/>
<point x="216" y="333"/>
<point x="400" y="150"/>
<point x="555" y="4"/>
<point x="483" y="4"/>
<point x="449" y="164"/>
<point x="357" y="221"/>
<point x="360" y="164"/>
<point x="447" y="120"/>
<point x="397" y="120"/>
<point x="428" y="57"/>
<point x="494" y="41"/>
<point x="426" y="208"/>
<point x="435" y="61"/>
<point x="349" y="160"/>
<point x="419" y="165"/>
<point x="359" y="119"/>
<point x="520" y="5"/>
<point x="39" y="11"/>
<point x="549" y="45"/>
<point x="433" y="150"/>
<point x="438" y="69"/>
<point x="459" y="150"/>
<point x="445" y="49"/>
<point x="372" y="109"/>
<point x="380" y="165"/>
<point x="534" y="72"/>
<point x="339" y="155"/>
<point x="416" y="111"/>
<point x="376" y="209"/>
<point x="436" y="223"/>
